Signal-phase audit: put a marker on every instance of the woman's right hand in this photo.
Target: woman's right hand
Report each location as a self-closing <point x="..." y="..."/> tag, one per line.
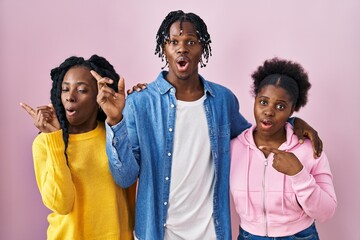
<point x="44" y="117"/>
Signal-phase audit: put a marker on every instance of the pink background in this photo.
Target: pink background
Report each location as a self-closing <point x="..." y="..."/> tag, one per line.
<point x="323" y="35"/>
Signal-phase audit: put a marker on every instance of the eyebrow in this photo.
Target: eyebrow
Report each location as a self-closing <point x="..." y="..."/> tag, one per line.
<point x="277" y="100"/>
<point x="77" y="83"/>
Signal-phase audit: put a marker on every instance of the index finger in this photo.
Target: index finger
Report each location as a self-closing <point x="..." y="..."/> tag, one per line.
<point x="270" y="149"/>
<point x="95" y="75"/>
<point x="29" y="110"/>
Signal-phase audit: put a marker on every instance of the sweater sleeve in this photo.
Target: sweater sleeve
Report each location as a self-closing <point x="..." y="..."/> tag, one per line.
<point x="52" y="173"/>
<point x="123" y="164"/>
<point x="315" y="190"/>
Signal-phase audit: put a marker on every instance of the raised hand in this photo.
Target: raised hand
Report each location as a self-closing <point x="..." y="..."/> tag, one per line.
<point x="111" y="102"/>
<point x="44" y="117"/>
<point x="284" y="162"/>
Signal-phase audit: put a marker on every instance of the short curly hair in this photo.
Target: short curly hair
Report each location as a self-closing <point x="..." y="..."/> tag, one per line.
<point x="286" y="74"/>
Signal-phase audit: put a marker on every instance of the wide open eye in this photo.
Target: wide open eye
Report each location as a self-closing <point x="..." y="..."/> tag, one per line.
<point x="263" y="102"/>
<point x="280" y="106"/>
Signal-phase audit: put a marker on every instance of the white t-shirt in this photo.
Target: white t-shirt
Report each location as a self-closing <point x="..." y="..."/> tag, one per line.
<point x="190" y="210"/>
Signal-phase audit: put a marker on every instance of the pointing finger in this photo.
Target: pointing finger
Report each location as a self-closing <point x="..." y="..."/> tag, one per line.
<point x="95" y="75"/>
<point x="97" y="78"/>
<point x="270" y="149"/>
<point x="28" y="109"/>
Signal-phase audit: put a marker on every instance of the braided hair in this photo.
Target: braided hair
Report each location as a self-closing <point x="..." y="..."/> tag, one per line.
<point x="286" y="74"/>
<point x="162" y="35"/>
<point x="96" y="63"/>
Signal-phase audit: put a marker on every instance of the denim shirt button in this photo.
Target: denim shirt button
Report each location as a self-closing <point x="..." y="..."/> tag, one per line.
<point x="164" y="224"/>
<point x="167" y="178"/>
<point x="169" y="154"/>
<point x="172" y="105"/>
<point x="165" y="203"/>
<point x="170" y="129"/>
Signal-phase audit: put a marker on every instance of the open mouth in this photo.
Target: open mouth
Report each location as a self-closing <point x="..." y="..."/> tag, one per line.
<point x="182" y="63"/>
<point x="70" y="111"/>
<point x="266" y="123"/>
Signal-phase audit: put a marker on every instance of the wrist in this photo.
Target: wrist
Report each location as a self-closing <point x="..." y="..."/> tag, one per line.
<point x="113" y="121"/>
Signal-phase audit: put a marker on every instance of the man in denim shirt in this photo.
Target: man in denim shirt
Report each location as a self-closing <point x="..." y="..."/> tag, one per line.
<point x="174" y="137"/>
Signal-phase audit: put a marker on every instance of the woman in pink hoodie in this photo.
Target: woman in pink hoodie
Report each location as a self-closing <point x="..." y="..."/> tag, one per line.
<point x="278" y="187"/>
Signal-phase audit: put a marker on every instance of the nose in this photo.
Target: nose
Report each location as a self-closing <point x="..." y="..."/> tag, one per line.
<point x="269" y="111"/>
<point x="70" y="97"/>
<point x="182" y="47"/>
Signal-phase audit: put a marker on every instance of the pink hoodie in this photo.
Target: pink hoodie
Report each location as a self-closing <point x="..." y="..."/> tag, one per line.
<point x="271" y="203"/>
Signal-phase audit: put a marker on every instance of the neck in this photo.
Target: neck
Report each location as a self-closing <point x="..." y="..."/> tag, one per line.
<point x="187" y="89"/>
<point x="83" y="128"/>
<point x="274" y="140"/>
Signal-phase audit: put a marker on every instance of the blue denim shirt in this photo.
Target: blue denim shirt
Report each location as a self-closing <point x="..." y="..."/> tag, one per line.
<point x="141" y="146"/>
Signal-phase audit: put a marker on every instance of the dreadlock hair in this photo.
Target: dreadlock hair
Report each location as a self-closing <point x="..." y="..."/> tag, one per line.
<point x="96" y="63"/>
<point x="286" y="74"/>
<point x="162" y="35"/>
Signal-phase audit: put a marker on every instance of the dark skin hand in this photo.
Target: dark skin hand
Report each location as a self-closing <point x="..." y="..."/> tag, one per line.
<point x="138" y="87"/>
<point x="284" y="162"/>
<point x="44" y="117"/>
<point x="111" y="102"/>
<point x="303" y="130"/>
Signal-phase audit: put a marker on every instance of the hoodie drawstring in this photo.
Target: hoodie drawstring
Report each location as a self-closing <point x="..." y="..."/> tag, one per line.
<point x="247" y="179"/>
<point x="283" y="195"/>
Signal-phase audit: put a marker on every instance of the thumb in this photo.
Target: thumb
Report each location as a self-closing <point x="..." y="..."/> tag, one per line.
<point x="121" y="86"/>
<point x="53" y="114"/>
<point x="51" y="107"/>
<point x="56" y="125"/>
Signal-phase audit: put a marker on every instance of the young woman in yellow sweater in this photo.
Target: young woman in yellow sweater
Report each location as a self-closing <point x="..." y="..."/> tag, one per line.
<point x="71" y="165"/>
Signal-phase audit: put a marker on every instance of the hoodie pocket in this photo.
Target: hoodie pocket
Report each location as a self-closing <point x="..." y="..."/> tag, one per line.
<point x="251" y="211"/>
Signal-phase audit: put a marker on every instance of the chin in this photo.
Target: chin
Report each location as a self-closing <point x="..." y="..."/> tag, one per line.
<point x="183" y="76"/>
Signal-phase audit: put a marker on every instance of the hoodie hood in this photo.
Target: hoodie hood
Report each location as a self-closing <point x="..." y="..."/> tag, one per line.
<point x="247" y="138"/>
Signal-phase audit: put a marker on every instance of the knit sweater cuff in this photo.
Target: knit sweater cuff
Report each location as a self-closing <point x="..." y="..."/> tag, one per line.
<point x="56" y="147"/>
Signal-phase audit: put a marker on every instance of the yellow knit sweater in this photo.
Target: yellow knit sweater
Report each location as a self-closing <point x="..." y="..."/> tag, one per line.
<point x="85" y="201"/>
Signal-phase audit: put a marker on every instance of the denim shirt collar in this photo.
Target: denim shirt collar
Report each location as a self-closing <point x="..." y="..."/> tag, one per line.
<point x="164" y="85"/>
